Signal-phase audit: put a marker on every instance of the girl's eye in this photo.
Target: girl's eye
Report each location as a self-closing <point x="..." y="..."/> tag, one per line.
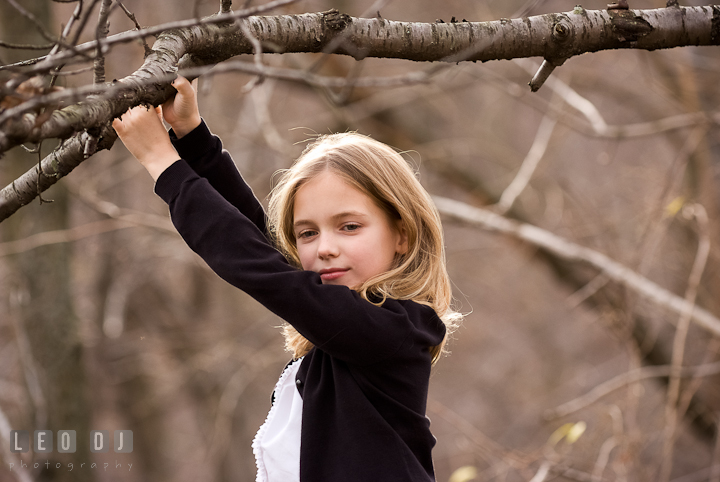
<point x="351" y="227"/>
<point x="306" y="234"/>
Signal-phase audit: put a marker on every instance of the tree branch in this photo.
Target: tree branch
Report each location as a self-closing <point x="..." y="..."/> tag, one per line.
<point x="55" y="166"/>
<point x="567" y="250"/>
<point x="453" y="42"/>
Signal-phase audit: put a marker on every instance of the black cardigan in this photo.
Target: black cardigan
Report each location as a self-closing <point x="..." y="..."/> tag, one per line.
<point x="365" y="384"/>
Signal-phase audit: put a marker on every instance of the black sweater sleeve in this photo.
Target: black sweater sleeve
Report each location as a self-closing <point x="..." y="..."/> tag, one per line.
<point x="204" y="153"/>
<point x="334" y="318"/>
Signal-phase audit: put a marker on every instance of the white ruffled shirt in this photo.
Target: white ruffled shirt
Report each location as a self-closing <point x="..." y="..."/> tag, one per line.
<point x="277" y="443"/>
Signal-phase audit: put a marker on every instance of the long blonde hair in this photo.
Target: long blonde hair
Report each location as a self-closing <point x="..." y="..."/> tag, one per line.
<point x="378" y="171"/>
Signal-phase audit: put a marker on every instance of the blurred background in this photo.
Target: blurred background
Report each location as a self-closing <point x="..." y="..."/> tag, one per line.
<point x="108" y="321"/>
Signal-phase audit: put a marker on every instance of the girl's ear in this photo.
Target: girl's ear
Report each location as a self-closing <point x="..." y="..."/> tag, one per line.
<point x="402" y="245"/>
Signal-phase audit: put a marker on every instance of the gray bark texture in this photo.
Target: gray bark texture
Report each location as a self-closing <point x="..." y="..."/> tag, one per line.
<point x="555" y="37"/>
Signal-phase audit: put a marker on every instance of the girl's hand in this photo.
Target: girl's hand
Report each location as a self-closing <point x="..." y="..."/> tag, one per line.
<point x="144" y="135"/>
<point x="181" y="112"/>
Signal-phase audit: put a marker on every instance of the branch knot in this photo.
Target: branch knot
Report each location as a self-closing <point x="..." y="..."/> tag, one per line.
<point x="335" y="20"/>
<point x="629" y="27"/>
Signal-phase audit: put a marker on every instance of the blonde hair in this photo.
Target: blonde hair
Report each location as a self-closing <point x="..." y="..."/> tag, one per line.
<point x="378" y="171"/>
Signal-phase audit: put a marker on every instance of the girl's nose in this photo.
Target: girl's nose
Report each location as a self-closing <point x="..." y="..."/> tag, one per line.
<point x="327" y="247"/>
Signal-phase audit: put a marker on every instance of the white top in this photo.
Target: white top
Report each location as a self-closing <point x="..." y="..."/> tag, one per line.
<point x="277" y="443"/>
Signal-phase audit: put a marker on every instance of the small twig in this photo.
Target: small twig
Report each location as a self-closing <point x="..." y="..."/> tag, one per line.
<point x="542" y="74"/>
<point x="341" y="97"/>
<point x="132" y="17"/>
<point x="261" y="101"/>
<point x="671" y="410"/>
<point x="66" y="31"/>
<point x="101" y="32"/>
<point x="38" y="25"/>
<point x="74" y="72"/>
<point x="571" y="97"/>
<point x="606" y="448"/>
<point x="257" y="49"/>
<point x="587" y="291"/>
<point x="528" y="166"/>
<point x="8" y="45"/>
<point x="137" y="218"/>
<point x="40" y="174"/>
<point x="83" y="22"/>
<point x="63" y="236"/>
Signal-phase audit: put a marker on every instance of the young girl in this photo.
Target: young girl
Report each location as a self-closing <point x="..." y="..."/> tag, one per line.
<point x="351" y="256"/>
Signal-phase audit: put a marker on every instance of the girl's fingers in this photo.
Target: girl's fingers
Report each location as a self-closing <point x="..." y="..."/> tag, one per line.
<point x="183" y="86"/>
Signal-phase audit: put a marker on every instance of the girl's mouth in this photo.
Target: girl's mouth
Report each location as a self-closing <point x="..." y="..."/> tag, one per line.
<point x="332" y="273"/>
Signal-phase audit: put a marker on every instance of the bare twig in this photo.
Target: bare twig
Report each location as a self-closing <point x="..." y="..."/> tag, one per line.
<point x="587" y="291"/>
<point x="567" y="250"/>
<point x="137" y="218"/>
<point x="606" y="448"/>
<point x="65" y="33"/>
<point x="83" y="22"/>
<point x="528" y="166"/>
<point x="132" y="17"/>
<point x="62" y="236"/>
<point x="620" y="381"/>
<point x="101" y="32"/>
<point x="33" y="19"/>
<point x="257" y="49"/>
<point x="678" y="354"/>
<point x="8" y="45"/>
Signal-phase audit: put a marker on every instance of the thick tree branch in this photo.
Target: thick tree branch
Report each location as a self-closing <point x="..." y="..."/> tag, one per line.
<point x="582" y="31"/>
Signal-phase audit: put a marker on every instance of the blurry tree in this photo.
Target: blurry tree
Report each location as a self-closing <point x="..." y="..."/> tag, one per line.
<point x="42" y="317"/>
<point x="206" y="372"/>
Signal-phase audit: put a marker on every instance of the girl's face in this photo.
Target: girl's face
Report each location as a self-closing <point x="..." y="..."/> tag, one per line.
<point x="342" y="234"/>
